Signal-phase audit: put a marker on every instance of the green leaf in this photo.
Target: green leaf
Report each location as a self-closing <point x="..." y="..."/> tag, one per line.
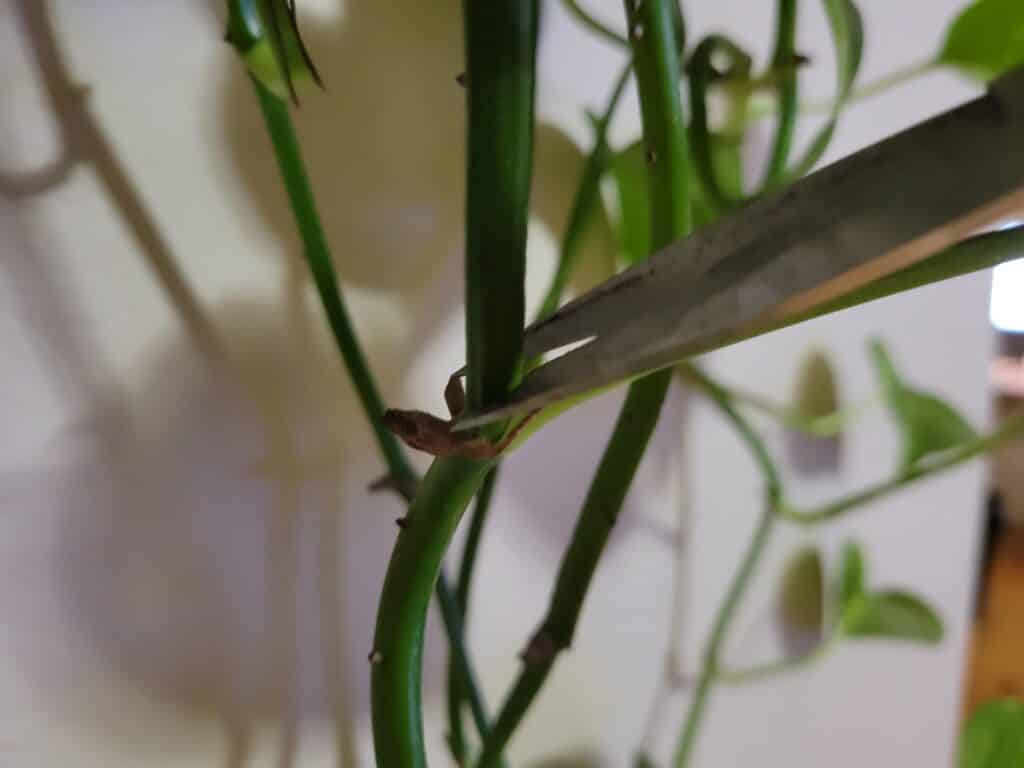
<point x="928" y="424"/>
<point x="816" y="394"/>
<point x="628" y="169"/>
<point x="728" y="168"/>
<point x="986" y="39"/>
<point x="993" y="736"/>
<point x="848" y="42"/>
<point x="893" y="615"/>
<point x="802" y="598"/>
<point x="266" y="34"/>
<point x="850" y="584"/>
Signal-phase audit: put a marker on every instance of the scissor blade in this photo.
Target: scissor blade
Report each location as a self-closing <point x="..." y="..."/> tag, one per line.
<point x="864" y="217"/>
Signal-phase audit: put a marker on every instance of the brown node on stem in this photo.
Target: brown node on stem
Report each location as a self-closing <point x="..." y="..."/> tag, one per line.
<point x="375" y="657"/>
<point x="461" y="79"/>
<point x="541" y="649"/>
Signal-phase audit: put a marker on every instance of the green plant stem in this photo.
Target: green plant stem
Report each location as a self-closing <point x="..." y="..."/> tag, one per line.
<point x="456" y="692"/>
<point x="460" y="673"/>
<point x="500" y="41"/>
<point x="781" y="666"/>
<point x="827" y="425"/>
<point x="701" y="74"/>
<point x="773" y="494"/>
<point x="1011" y="429"/>
<point x="611" y="482"/>
<point x="600" y="29"/>
<point x="441" y="498"/>
<point x="723" y="621"/>
<point x="318" y="257"/>
<point x="656" y="61"/>
<point x="722" y="398"/>
<point x="585" y="202"/>
<point x="286" y="149"/>
<point x="784" y="66"/>
<point x="761" y="109"/>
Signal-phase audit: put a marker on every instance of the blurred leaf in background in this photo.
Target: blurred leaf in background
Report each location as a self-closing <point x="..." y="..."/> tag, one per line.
<point x="993" y="736"/>
<point x="986" y="39"/>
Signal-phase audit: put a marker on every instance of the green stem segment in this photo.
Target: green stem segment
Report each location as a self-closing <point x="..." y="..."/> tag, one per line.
<point x="585" y="202"/>
<point x="600" y="29"/>
<point x="773" y="499"/>
<point x="784" y="66"/>
<point x="441" y="498"/>
<point x="456" y="691"/>
<point x="604" y="500"/>
<point x="501" y="40"/>
<point x="286" y="149"/>
<point x="655" y="57"/>
<point x="1012" y="429"/>
<point x="723" y="621"/>
<point x="318" y="256"/>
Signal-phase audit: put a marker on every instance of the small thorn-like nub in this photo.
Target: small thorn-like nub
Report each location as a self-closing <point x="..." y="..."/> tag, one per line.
<point x="375" y="657"/>
<point x="650" y="156"/>
<point x="461" y="79"/>
<point x="402" y="522"/>
<point x="638" y="31"/>
<point x="542" y="648"/>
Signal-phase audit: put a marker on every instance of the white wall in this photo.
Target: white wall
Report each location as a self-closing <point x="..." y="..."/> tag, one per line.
<point x="188" y="556"/>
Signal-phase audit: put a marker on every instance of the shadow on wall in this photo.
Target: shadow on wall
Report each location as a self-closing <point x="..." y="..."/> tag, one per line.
<point x="208" y="555"/>
<point x="212" y="564"/>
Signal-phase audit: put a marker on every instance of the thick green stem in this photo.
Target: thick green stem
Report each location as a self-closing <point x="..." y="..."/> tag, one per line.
<point x="441" y="498"/>
<point x="501" y="40"/>
<point x="653" y="37"/>
<point x="501" y="37"/>
<point x="585" y="202"/>
<point x="318" y="256"/>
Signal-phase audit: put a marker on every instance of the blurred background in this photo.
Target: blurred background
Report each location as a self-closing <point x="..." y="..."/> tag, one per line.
<point x="189" y="558"/>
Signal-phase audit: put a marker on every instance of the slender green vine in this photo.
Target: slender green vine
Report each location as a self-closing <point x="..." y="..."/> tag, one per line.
<point x="653" y="37"/>
<point x="318" y="257"/>
<point x="500" y="65"/>
<point x="784" y="66"/>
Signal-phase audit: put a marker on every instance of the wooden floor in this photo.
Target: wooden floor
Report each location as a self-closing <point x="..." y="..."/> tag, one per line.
<point x="996" y="663"/>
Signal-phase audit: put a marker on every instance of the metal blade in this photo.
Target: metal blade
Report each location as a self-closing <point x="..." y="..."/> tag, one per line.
<point x="866" y="216"/>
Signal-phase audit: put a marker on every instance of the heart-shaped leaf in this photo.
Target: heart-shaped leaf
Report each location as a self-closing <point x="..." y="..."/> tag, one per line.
<point x="928" y="424"/>
<point x="816" y="393"/>
<point x="993" y="736"/>
<point x="986" y="39"/>
<point x="893" y="615"/>
<point x="801" y="606"/>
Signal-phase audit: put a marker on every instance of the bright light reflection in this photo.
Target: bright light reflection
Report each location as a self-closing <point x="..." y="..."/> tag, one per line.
<point x="1006" y="306"/>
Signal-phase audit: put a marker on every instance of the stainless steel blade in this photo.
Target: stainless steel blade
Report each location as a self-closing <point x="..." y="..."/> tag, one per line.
<point x="866" y="216"/>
